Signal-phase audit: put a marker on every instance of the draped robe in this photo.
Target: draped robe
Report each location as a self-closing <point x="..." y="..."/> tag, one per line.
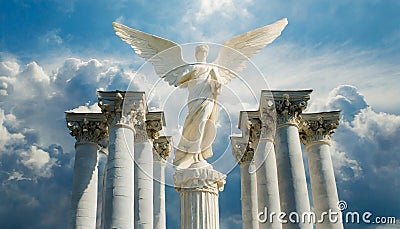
<point x="199" y="128"/>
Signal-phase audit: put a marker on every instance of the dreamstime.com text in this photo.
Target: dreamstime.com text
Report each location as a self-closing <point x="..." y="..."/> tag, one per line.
<point x="332" y="216"/>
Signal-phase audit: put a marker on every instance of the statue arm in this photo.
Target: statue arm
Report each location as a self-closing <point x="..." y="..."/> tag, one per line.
<point x="186" y="76"/>
<point x="216" y="81"/>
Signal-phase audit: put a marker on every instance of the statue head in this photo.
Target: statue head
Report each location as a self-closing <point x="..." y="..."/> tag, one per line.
<point x="201" y="52"/>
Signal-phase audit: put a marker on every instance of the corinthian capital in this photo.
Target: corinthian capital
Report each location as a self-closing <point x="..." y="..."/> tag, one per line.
<point x="123" y="108"/>
<point x="87" y="127"/>
<point x="154" y="123"/>
<point x="318" y="127"/>
<point x="242" y="150"/>
<point x="288" y="104"/>
<point x="162" y="147"/>
<point x="250" y="125"/>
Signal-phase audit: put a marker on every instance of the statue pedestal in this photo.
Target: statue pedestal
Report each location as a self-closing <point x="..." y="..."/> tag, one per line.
<point x="198" y="186"/>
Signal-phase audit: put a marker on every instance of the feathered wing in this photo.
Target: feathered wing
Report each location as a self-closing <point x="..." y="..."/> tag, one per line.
<point x="234" y="54"/>
<point x="165" y="55"/>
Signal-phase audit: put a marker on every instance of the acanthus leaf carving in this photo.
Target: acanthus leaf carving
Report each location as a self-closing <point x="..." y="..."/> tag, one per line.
<point x="87" y="130"/>
<point x="162" y="148"/>
<point x="268" y="121"/>
<point x="130" y="113"/>
<point x="243" y="152"/>
<point x="140" y="122"/>
<point x="288" y="110"/>
<point x="317" y="129"/>
<point x="153" y="128"/>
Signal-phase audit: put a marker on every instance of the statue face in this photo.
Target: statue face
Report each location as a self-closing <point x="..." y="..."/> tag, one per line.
<point x="201" y="53"/>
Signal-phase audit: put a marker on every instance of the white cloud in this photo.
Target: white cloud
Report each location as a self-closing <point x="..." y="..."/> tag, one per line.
<point x="368" y="121"/>
<point x="39" y="161"/>
<point x="34" y="72"/>
<point x="346" y="168"/>
<point x="32" y="109"/>
<point x="31" y="82"/>
<point x="14" y="142"/>
<point x="347" y="99"/>
<point x="202" y="19"/>
<point x="8" y="139"/>
<point x="39" y="99"/>
<point x="9" y="68"/>
<point x="87" y="108"/>
<point x="225" y="8"/>
<point x="17" y="176"/>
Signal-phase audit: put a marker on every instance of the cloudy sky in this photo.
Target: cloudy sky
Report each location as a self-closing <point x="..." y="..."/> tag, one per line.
<point x="55" y="54"/>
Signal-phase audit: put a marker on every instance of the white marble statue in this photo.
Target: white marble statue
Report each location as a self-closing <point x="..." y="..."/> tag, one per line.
<point x="202" y="79"/>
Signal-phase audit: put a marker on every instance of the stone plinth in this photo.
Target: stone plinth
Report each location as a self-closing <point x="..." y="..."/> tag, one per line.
<point x="291" y="174"/>
<point x="315" y="133"/>
<point x="125" y="112"/>
<point x="199" y="186"/>
<point x="89" y="129"/>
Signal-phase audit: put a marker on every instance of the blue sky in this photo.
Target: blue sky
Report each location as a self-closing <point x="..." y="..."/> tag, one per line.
<point x="55" y="54"/>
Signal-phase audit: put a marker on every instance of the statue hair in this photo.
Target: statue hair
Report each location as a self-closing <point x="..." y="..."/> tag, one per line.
<point x="202" y="47"/>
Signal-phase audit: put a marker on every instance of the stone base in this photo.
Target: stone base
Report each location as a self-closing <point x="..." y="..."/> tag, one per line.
<point x="199" y="186"/>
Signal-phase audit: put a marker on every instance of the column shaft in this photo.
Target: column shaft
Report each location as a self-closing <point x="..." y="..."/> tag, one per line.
<point x="159" y="195"/>
<point x="267" y="185"/>
<point x="84" y="187"/>
<point x="323" y="185"/>
<point x="89" y="129"/>
<point x="144" y="185"/>
<point x="315" y="132"/>
<point x="243" y="151"/>
<point x="100" y="190"/>
<point x="249" y="197"/>
<point x="119" y="201"/>
<point x="291" y="175"/>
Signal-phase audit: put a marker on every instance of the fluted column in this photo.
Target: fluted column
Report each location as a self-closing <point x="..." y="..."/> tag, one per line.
<point x="315" y="133"/>
<point x="124" y="110"/>
<point x="144" y="185"/>
<point x="267" y="176"/>
<point x="162" y="150"/>
<point x="89" y="129"/>
<point x="243" y="151"/>
<point x="291" y="175"/>
<point x="101" y="166"/>
<point x="199" y="186"/>
<point x="144" y="168"/>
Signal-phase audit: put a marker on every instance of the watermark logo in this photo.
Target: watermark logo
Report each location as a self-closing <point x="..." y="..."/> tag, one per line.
<point x="333" y="216"/>
<point x="342" y="205"/>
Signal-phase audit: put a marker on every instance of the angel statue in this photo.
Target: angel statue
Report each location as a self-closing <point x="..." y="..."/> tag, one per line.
<point x="202" y="79"/>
